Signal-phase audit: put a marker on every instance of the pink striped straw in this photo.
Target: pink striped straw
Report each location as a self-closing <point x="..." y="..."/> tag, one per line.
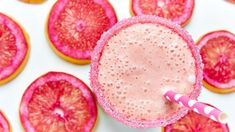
<point x="198" y="107"/>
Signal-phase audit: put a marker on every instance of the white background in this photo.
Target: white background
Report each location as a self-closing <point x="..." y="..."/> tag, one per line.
<point x="208" y="15"/>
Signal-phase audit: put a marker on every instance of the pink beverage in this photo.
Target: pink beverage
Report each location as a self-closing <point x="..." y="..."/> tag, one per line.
<point x="136" y="62"/>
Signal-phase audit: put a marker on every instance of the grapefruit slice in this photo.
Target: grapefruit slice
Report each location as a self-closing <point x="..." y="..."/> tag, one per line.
<point x="179" y="11"/>
<point x="74" y="27"/>
<point x="218" y="55"/>
<point x="58" y="102"/>
<point x="14" y="49"/>
<point x="33" y="1"/>
<point x="136" y="61"/>
<point x="232" y="1"/>
<point x="4" y="124"/>
<point x="194" y="122"/>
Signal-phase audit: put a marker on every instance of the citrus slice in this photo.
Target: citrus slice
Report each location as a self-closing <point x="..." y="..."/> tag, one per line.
<point x="33" y="1"/>
<point x="218" y="55"/>
<point x="194" y="122"/>
<point x="232" y="1"/>
<point x="179" y="11"/>
<point x="74" y="27"/>
<point x="14" y="49"/>
<point x="136" y="61"/>
<point x="4" y="124"/>
<point x="58" y="102"/>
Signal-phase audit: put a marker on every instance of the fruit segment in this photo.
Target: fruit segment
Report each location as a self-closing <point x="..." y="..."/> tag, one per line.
<point x="74" y="27"/>
<point x="218" y="54"/>
<point x="4" y="124"/>
<point x="136" y="61"/>
<point x="194" y="122"/>
<point x="58" y="102"/>
<point x="179" y="11"/>
<point x="232" y="1"/>
<point x="14" y="49"/>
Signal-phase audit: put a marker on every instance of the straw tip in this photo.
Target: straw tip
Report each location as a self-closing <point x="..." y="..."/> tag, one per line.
<point x="166" y="90"/>
<point x="223" y="118"/>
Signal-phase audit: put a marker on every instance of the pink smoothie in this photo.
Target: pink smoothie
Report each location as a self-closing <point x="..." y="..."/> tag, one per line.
<point x="140" y="63"/>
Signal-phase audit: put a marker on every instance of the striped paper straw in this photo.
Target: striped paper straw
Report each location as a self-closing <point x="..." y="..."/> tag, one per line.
<point x="198" y="107"/>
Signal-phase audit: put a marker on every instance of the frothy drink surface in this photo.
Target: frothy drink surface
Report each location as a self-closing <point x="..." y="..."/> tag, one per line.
<point x="138" y="64"/>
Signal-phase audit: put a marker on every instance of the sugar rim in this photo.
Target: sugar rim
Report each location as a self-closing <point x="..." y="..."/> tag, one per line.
<point x="97" y="55"/>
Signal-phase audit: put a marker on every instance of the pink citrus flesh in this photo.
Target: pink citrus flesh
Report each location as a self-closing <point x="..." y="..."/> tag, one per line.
<point x="4" y="124"/>
<point x="14" y="49"/>
<point x="136" y="61"/>
<point x="74" y="27"/>
<point x="179" y="11"/>
<point x="58" y="102"/>
<point x="194" y="122"/>
<point x="232" y="1"/>
<point x="218" y="55"/>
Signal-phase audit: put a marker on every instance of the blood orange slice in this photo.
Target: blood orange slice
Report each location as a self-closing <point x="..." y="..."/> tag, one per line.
<point x="74" y="26"/>
<point x="33" y="1"/>
<point x="4" y="124"/>
<point x="179" y="11"/>
<point x="136" y="61"/>
<point x="58" y="102"/>
<point x="232" y="1"/>
<point x="14" y="49"/>
<point x="194" y="122"/>
<point x="218" y="54"/>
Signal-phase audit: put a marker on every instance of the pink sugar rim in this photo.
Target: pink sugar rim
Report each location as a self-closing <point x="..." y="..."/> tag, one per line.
<point x="74" y="53"/>
<point x="56" y="76"/>
<point x="21" y="46"/>
<point x="4" y="122"/>
<point x="98" y="53"/>
<point x="181" y="20"/>
<point x="202" y="42"/>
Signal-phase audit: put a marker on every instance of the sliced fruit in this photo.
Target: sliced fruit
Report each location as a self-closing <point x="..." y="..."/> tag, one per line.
<point x="4" y="124"/>
<point x="136" y="61"/>
<point x="218" y="55"/>
<point x="14" y="49"/>
<point x="178" y="11"/>
<point x="74" y="27"/>
<point x="232" y="1"/>
<point x="194" y="122"/>
<point x="33" y="1"/>
<point x="58" y="102"/>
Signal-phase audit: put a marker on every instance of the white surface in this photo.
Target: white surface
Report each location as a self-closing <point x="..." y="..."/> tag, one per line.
<point x="208" y="15"/>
